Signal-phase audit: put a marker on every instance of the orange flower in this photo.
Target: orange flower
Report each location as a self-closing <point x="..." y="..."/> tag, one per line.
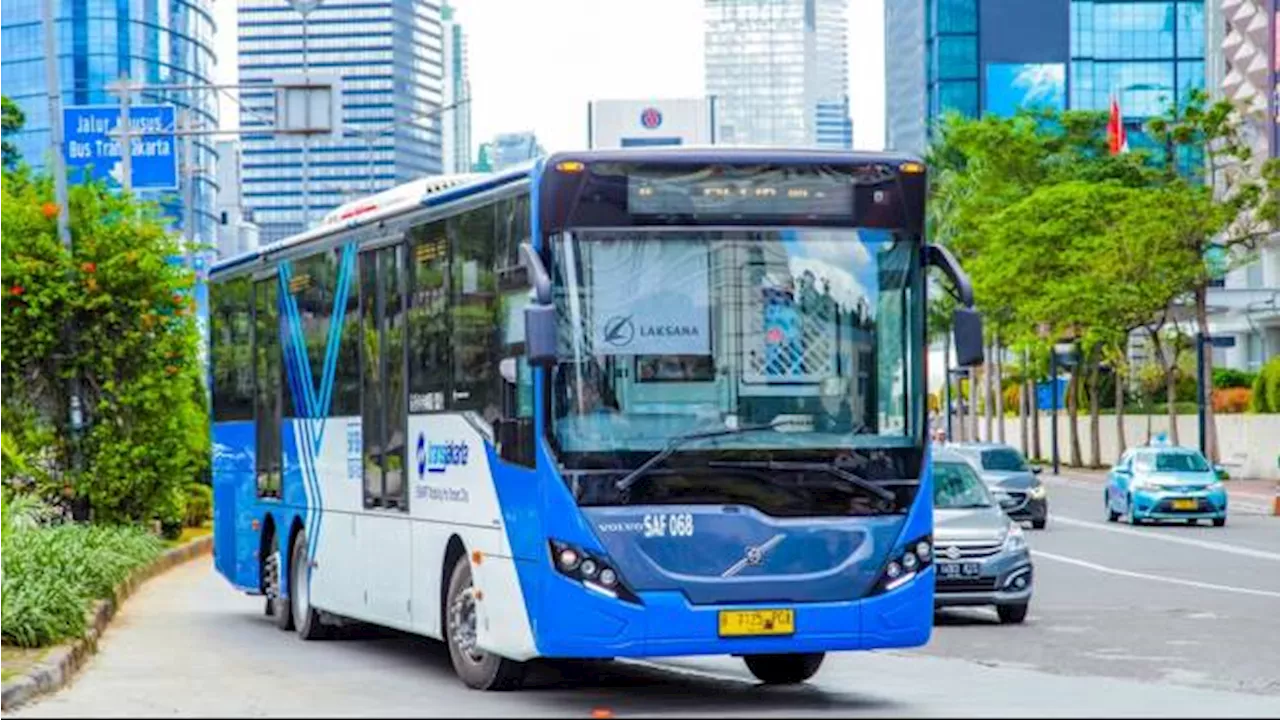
<point x="171" y="369"/>
<point x="49" y="209"/>
<point x="89" y="267"/>
<point x="17" y="290"/>
<point x="91" y="284"/>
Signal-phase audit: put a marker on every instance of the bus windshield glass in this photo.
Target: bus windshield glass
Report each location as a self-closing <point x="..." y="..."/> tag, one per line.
<point x="813" y="332"/>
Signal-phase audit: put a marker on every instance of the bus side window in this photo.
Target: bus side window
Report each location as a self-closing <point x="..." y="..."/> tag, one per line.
<point x="514" y="428"/>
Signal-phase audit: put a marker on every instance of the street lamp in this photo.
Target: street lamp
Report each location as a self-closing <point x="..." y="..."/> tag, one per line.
<point x="304" y="8"/>
<point x="370" y="135"/>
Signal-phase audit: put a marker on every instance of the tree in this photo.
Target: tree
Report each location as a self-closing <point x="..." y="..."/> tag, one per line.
<point x="1236" y="209"/>
<point x="11" y="121"/>
<point x="136" y="350"/>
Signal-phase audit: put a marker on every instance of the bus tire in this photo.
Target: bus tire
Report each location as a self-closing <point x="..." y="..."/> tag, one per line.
<point x="784" y="669"/>
<point x="273" y="579"/>
<point x="306" y="618"/>
<point x="476" y="668"/>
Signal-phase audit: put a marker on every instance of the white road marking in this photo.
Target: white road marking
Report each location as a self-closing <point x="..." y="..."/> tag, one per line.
<point x="1157" y="578"/>
<point x="1203" y="544"/>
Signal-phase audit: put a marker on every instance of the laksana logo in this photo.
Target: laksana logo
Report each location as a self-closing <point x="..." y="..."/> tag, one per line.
<point x="437" y="457"/>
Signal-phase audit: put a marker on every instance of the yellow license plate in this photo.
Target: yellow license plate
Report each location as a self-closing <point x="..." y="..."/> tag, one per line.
<point x="739" y="623"/>
<point x="1187" y="504"/>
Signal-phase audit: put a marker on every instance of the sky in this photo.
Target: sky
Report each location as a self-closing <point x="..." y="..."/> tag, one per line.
<point x="535" y="64"/>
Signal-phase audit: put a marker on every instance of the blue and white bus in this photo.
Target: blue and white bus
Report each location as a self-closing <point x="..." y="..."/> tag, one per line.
<point x="612" y="404"/>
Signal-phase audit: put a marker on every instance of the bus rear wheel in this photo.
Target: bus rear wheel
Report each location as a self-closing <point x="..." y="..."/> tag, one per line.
<point x="477" y="668"/>
<point x="787" y="669"/>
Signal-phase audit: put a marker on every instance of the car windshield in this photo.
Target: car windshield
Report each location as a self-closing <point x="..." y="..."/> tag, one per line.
<point x="956" y="486"/>
<point x="1003" y="459"/>
<point x="665" y="333"/>
<point x="1172" y="462"/>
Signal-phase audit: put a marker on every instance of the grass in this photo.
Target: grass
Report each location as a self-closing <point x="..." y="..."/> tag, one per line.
<point x="189" y="534"/>
<point x="17" y="660"/>
<point x="53" y="574"/>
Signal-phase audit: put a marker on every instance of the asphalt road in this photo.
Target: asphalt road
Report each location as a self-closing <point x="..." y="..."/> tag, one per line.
<point x="1141" y="622"/>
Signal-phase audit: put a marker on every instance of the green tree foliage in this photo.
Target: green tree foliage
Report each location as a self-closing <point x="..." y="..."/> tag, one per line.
<point x="1266" y="388"/>
<point x="135" y="351"/>
<point x="11" y="120"/>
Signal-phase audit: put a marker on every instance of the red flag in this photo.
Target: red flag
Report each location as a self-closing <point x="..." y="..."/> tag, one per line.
<point x="1116" y="137"/>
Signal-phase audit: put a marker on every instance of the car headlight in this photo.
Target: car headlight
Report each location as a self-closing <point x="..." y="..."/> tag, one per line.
<point x="1142" y="485"/>
<point x="1037" y="492"/>
<point x="1215" y="486"/>
<point x="1015" y="540"/>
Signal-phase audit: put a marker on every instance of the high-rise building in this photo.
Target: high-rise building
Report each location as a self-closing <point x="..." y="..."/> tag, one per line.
<point x="1244" y="65"/>
<point x="457" y="89"/>
<point x="157" y="42"/>
<point x="779" y="71"/>
<point x="389" y="56"/>
<point x="994" y="56"/>
<point x="237" y="232"/>
<point x="507" y="150"/>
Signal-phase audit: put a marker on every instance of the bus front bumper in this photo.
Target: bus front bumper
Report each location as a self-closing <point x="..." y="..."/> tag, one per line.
<point x="572" y="622"/>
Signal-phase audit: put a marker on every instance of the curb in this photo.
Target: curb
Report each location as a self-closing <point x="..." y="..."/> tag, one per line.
<point x="57" y="668"/>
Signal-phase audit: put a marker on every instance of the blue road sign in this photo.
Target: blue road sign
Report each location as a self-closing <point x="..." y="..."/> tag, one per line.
<point x="1223" y="341"/>
<point x="91" y="148"/>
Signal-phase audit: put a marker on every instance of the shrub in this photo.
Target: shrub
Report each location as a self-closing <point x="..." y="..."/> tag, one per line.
<point x="199" y="508"/>
<point x="1232" y="399"/>
<point x="52" y="574"/>
<point x="1266" y="388"/>
<point x="1232" y="378"/>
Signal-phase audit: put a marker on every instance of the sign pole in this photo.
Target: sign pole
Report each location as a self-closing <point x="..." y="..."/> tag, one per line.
<point x="61" y="198"/>
<point x="1200" y="391"/>
<point x="188" y="182"/>
<point x="125" y="89"/>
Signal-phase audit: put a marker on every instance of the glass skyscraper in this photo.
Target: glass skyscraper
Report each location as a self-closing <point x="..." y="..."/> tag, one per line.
<point x="153" y="41"/>
<point x="390" y="56"/>
<point x="995" y="56"/>
<point x="457" y="89"/>
<point x="779" y="71"/>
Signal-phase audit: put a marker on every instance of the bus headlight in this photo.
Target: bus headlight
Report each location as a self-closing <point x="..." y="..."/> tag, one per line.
<point x="905" y="564"/>
<point x="593" y="572"/>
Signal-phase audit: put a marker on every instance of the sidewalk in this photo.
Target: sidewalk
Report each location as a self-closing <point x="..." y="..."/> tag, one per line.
<point x="1261" y="492"/>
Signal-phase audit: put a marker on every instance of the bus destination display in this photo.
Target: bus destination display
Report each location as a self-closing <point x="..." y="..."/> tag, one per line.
<point x="758" y="194"/>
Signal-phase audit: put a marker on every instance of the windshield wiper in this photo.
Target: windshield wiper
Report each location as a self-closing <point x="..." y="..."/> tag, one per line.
<point x="632" y="477"/>
<point x="836" y="470"/>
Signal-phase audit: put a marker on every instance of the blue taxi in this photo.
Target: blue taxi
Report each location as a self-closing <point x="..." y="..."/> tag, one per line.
<point x="1163" y="482"/>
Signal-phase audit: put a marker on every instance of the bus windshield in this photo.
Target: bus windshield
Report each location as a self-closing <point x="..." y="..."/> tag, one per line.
<point x="668" y="332"/>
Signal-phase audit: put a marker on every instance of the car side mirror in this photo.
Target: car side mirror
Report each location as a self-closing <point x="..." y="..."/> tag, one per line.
<point x="540" y="313"/>
<point x="1221" y="472"/>
<point x="1036" y="469"/>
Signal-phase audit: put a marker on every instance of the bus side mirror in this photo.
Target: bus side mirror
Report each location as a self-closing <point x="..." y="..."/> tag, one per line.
<point x="540" y="313"/>
<point x="966" y="325"/>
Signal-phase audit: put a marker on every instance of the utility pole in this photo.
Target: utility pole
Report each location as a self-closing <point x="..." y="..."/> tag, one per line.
<point x="188" y="180"/>
<point x="1053" y="406"/>
<point x="124" y="89"/>
<point x="304" y="8"/>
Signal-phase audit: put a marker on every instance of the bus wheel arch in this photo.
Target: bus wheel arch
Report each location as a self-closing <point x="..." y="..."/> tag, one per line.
<point x="477" y="668"/>
<point x="453" y="550"/>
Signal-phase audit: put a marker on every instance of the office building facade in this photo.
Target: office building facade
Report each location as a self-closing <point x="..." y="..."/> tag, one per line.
<point x="456" y="143"/>
<point x="237" y="232"/>
<point x="389" y="55"/>
<point x="995" y="56"/>
<point x="779" y="71"/>
<point x="157" y="42"/>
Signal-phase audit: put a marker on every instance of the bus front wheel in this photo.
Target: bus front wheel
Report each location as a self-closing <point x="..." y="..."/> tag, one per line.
<point x="477" y="668"/>
<point x="786" y="669"/>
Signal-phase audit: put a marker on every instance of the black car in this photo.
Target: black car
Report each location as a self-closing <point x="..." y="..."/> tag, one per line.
<point x="1015" y="483"/>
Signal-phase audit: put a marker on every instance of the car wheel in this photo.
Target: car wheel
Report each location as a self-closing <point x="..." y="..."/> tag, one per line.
<point x="787" y="669"/>
<point x="1012" y="614"/>
<point x="1112" y="515"/>
<point x="1220" y="521"/>
<point x="1128" y="507"/>
<point x="477" y="668"/>
<point x="306" y="618"/>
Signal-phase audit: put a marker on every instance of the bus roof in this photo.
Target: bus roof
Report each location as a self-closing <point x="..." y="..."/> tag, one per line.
<point x="438" y="190"/>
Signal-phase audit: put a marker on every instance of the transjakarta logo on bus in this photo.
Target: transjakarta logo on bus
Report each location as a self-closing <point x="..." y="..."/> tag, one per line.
<point x="437" y="457"/>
